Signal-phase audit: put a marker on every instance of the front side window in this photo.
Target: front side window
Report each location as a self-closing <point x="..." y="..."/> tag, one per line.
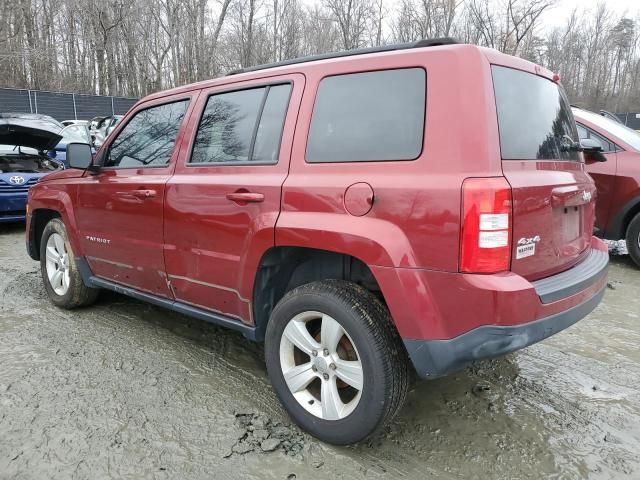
<point x="243" y="126"/>
<point x="534" y="117"/>
<point x="370" y="116"/>
<point x="606" y="145"/>
<point x="149" y="137"/>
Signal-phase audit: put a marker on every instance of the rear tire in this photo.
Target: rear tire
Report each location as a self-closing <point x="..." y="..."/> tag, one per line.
<point x="342" y="356"/>
<point x="62" y="279"/>
<point x="633" y="239"/>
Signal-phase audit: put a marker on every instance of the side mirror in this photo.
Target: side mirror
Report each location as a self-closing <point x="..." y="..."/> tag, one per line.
<point x="592" y="150"/>
<point x="79" y="155"/>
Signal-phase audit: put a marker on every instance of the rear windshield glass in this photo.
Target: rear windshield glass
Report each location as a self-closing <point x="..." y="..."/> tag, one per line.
<point x="534" y="117"/>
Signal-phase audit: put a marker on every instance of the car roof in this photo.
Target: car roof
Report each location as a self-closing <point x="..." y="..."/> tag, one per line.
<point x="300" y="65"/>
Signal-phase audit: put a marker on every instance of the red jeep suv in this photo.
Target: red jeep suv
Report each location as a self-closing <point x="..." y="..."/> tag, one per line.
<point x="362" y="213"/>
<point x="617" y="177"/>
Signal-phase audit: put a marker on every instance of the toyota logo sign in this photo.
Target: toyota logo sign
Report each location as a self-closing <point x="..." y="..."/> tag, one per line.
<point x="16" y="180"/>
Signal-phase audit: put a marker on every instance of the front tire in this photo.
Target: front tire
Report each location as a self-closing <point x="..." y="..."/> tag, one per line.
<point x="633" y="239"/>
<point x="335" y="360"/>
<point x="59" y="269"/>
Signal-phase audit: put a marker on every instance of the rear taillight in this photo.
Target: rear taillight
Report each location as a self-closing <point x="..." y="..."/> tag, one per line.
<point x="485" y="245"/>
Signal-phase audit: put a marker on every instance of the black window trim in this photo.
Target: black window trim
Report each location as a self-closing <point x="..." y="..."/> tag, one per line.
<point x="106" y="153"/>
<point x="616" y="147"/>
<point x="355" y="72"/>
<point x="238" y="88"/>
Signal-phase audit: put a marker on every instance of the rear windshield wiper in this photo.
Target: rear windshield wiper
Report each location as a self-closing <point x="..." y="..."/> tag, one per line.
<point x="567" y="144"/>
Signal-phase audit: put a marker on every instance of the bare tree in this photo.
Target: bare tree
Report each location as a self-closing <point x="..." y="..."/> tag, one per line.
<point x="133" y="47"/>
<point x="351" y="17"/>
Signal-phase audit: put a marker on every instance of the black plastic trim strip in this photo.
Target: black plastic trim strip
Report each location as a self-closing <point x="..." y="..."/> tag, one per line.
<point x="436" y="358"/>
<point x="577" y="278"/>
<point x="429" y="42"/>
<point x="201" y="314"/>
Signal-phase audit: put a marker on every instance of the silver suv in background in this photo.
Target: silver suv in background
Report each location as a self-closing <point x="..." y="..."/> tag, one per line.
<point x="102" y="128"/>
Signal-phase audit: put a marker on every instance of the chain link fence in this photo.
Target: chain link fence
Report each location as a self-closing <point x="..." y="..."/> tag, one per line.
<point x="62" y="106"/>
<point x="631" y="120"/>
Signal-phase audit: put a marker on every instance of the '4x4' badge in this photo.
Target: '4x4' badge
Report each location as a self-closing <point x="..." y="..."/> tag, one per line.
<point x="527" y="247"/>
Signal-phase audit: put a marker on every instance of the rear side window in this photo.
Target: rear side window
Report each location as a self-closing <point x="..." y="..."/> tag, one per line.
<point x="149" y="137"/>
<point x="371" y="116"/>
<point x="242" y="126"/>
<point x="534" y="117"/>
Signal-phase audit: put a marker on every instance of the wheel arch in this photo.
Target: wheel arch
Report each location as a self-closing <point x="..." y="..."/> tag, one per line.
<point x="283" y="268"/>
<point x="45" y="204"/>
<point x="617" y="229"/>
<point x="39" y="219"/>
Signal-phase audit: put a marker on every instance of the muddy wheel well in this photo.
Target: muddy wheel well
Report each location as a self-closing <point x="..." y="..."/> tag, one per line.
<point x="284" y="268"/>
<point x="39" y="220"/>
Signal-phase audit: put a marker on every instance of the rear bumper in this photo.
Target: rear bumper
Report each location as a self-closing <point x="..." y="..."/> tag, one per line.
<point x="435" y="358"/>
<point x="449" y="319"/>
<point x="574" y="280"/>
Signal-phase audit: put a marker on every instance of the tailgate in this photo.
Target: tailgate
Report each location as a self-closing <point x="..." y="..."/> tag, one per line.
<point x="553" y="214"/>
<point x="553" y="196"/>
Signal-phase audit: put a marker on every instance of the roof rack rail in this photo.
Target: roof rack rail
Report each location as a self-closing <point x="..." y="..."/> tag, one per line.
<point x="429" y="42"/>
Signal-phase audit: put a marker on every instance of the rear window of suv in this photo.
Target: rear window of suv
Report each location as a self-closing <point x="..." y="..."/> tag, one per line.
<point x="534" y="117"/>
<point x="370" y="116"/>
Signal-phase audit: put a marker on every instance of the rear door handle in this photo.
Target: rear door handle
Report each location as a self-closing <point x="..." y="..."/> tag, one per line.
<point x="141" y="194"/>
<point x="245" y="197"/>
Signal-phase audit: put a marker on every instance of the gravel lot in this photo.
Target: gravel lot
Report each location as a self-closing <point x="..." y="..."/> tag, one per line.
<point x="127" y="390"/>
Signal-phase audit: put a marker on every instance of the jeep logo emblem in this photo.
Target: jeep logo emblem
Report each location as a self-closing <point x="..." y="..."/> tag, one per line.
<point x="16" y="180"/>
<point x="586" y="196"/>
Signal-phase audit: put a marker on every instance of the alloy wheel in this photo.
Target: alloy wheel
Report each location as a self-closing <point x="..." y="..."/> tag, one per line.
<point x="321" y="366"/>
<point x="57" y="264"/>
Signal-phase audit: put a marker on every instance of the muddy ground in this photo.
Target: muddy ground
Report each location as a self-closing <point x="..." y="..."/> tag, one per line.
<point x="127" y="390"/>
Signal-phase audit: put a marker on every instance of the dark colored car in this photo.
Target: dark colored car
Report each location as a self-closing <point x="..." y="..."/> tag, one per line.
<point x="617" y="179"/>
<point x="362" y="213"/>
<point x="23" y="161"/>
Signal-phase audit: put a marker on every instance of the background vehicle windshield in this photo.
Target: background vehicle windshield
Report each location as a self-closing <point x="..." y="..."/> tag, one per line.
<point x="624" y="133"/>
<point x="13" y="150"/>
<point x="75" y="133"/>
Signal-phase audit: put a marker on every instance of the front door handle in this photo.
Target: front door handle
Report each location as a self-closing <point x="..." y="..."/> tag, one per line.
<point x="142" y="194"/>
<point x="245" y="197"/>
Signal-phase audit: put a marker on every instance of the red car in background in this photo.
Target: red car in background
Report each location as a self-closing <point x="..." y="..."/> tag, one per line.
<point x="617" y="179"/>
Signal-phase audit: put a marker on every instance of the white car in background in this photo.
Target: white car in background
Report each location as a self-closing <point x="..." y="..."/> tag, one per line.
<point x="66" y="123"/>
